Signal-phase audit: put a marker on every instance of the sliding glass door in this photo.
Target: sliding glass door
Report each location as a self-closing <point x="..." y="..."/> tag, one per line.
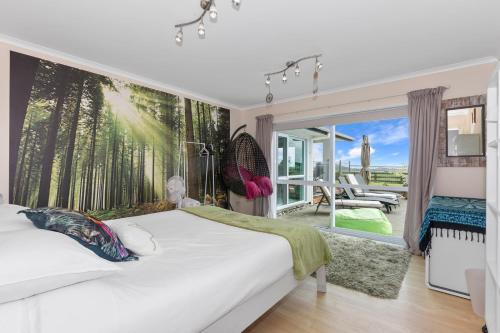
<point x="347" y="164"/>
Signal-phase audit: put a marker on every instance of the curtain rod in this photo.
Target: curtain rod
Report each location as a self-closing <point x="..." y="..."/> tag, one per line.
<point x="343" y="104"/>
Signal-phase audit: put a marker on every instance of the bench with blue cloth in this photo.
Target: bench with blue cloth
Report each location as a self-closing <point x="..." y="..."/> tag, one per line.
<point x="452" y="213"/>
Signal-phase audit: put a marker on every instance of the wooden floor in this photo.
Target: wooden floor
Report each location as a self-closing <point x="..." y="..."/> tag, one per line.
<point x="417" y="309"/>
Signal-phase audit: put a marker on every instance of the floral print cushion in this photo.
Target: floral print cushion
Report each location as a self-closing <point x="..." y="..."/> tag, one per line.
<point x="91" y="233"/>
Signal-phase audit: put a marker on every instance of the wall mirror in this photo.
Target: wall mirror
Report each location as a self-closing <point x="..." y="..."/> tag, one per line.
<point x="465" y="131"/>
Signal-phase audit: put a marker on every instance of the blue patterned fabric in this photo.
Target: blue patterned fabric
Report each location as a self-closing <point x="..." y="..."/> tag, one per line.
<point x="463" y="214"/>
<point x="91" y="233"/>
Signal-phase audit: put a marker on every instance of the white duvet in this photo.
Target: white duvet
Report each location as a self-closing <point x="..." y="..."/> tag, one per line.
<point x="205" y="270"/>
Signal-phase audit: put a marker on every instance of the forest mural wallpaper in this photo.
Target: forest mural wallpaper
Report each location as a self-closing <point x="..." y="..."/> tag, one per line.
<point x="95" y="144"/>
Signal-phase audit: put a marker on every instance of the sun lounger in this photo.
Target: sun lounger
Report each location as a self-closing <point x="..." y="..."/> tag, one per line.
<point x="347" y="203"/>
<point x="361" y="181"/>
<point x="353" y="180"/>
<point x="388" y="200"/>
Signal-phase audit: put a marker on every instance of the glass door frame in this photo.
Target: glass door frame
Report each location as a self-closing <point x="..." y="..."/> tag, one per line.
<point x="292" y="177"/>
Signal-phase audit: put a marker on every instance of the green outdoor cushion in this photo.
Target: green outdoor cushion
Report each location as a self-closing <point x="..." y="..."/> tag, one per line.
<point x="364" y="219"/>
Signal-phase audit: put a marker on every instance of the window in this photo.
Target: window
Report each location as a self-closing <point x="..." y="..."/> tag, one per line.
<point x="291" y="162"/>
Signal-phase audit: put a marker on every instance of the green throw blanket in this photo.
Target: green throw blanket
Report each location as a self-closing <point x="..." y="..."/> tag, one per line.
<point x="309" y="248"/>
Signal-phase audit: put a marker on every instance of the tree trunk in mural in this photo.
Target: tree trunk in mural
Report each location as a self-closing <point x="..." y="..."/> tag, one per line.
<point x="22" y="76"/>
<point x="19" y="174"/>
<point x="112" y="183"/>
<point x="27" y="177"/>
<point x="90" y="163"/>
<point x="50" y="144"/>
<point x="66" y="181"/>
<point x="120" y="180"/>
<point x="193" y="190"/>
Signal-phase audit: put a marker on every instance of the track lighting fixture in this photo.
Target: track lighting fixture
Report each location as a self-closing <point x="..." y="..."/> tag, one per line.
<point x="290" y="64"/>
<point x="208" y="6"/>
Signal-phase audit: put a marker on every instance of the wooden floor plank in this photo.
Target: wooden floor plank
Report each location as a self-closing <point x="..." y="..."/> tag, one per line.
<point x="417" y="310"/>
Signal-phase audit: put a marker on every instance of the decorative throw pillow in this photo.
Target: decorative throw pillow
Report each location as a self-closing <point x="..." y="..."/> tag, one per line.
<point x="135" y="237"/>
<point x="91" y="233"/>
<point x="252" y="190"/>
<point x="265" y="185"/>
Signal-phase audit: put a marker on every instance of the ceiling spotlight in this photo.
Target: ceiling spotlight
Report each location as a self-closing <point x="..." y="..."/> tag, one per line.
<point x="237" y="4"/>
<point x="319" y="65"/>
<point x="213" y="12"/>
<point x="201" y="30"/>
<point x="297" y="70"/>
<point x="268" y="80"/>
<point x="179" y="37"/>
<point x="284" y="78"/>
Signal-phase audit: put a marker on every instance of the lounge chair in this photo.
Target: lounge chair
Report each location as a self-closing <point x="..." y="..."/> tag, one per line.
<point x="351" y="179"/>
<point x="387" y="199"/>
<point x="346" y="203"/>
<point x="361" y="181"/>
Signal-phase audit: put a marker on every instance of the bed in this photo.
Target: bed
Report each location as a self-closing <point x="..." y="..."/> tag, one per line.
<point x="452" y="237"/>
<point x="210" y="277"/>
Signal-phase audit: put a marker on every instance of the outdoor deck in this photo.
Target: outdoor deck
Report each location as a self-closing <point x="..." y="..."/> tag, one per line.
<point x="306" y="215"/>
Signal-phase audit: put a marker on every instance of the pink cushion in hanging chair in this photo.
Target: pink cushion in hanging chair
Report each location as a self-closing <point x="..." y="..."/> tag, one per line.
<point x="252" y="189"/>
<point x="232" y="172"/>
<point x="245" y="174"/>
<point x="265" y="185"/>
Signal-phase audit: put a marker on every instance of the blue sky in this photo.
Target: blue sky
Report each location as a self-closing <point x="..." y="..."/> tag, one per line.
<point x="388" y="139"/>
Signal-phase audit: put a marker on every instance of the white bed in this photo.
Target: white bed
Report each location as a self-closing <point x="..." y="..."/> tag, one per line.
<point x="210" y="277"/>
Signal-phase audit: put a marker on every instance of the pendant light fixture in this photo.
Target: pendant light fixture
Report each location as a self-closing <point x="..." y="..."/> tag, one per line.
<point x="208" y="6"/>
<point x="294" y="63"/>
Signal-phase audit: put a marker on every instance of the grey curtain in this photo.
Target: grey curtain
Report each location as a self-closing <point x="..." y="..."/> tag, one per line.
<point x="264" y="137"/>
<point x="423" y="114"/>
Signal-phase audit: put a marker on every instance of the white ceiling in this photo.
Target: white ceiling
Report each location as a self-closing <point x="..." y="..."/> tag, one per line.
<point x="361" y="40"/>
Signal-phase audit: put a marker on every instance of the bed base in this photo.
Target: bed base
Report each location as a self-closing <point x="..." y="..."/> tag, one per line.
<point x="246" y="313"/>
<point x="448" y="259"/>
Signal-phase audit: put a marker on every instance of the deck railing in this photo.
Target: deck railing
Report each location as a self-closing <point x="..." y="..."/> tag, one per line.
<point x="380" y="174"/>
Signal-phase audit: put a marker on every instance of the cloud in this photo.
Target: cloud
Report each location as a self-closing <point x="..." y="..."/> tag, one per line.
<point x="395" y="154"/>
<point x="389" y="133"/>
<point x="354" y="153"/>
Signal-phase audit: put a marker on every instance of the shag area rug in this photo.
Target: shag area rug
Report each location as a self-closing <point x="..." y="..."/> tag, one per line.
<point x="364" y="265"/>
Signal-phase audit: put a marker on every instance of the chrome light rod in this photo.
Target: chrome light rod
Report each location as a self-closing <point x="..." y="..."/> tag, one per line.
<point x="294" y="63"/>
<point x="208" y="6"/>
<point x="205" y="5"/>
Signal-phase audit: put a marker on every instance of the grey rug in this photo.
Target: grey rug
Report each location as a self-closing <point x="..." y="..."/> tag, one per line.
<point x="364" y="265"/>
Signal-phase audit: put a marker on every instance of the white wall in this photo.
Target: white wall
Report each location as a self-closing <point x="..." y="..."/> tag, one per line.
<point x="461" y="182"/>
<point x="70" y="61"/>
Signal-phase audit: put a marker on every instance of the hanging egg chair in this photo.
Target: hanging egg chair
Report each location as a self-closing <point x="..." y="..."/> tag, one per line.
<point x="245" y="171"/>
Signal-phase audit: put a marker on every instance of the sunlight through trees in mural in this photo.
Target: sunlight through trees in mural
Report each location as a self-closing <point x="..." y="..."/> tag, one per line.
<point x="87" y="142"/>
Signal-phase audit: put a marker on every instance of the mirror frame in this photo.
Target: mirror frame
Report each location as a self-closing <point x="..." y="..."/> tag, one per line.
<point x="483" y="127"/>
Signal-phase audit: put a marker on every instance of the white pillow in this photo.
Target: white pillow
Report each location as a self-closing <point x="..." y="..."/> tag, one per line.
<point x="10" y="220"/>
<point x="35" y="261"/>
<point x="135" y="238"/>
